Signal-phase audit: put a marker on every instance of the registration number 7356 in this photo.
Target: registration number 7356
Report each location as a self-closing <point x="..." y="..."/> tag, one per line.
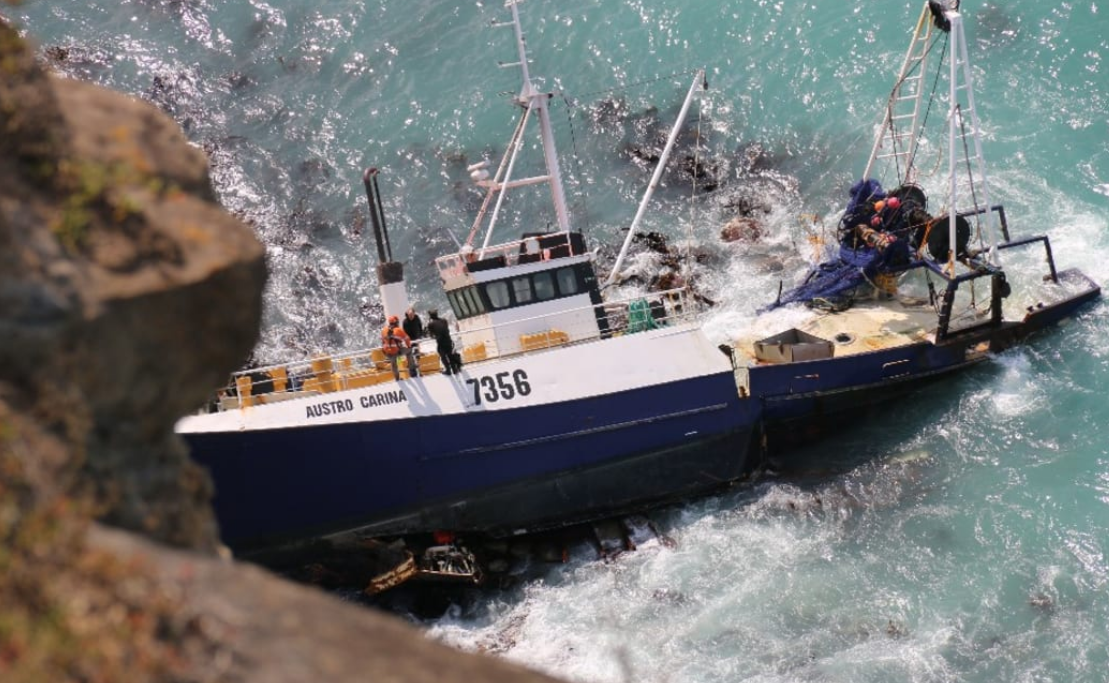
<point x="503" y="386"/>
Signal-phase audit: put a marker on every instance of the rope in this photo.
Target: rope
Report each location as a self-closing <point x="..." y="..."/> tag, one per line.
<point x="572" y="103"/>
<point x="924" y="239"/>
<point x="606" y="91"/>
<point x="577" y="162"/>
<point x="970" y="176"/>
<point x="889" y="105"/>
<point x="931" y="97"/>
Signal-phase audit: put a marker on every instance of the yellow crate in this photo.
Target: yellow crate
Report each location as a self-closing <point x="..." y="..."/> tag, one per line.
<point x="323" y="370"/>
<point x="377" y="357"/>
<point x="429" y="364"/>
<point x="543" y="340"/>
<point x="474" y="353"/>
<point x="280" y="378"/>
<point x="358" y="379"/>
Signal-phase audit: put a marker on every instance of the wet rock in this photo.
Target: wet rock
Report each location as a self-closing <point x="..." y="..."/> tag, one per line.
<point x="702" y="173"/>
<point x="996" y="28"/>
<point x="608" y="112"/>
<point x="741" y="230"/>
<point x="748" y="204"/>
<point x="126" y="295"/>
<point x="1042" y="601"/>
<point x="76" y="60"/>
<point x="240" y="81"/>
<point x="254" y="626"/>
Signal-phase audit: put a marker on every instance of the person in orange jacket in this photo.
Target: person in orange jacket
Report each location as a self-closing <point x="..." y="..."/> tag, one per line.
<point x="395" y="341"/>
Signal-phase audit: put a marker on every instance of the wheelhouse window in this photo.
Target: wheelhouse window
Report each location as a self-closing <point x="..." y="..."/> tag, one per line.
<point x="567" y="281"/>
<point x="474" y="300"/>
<point x="521" y="289"/>
<point x="544" y="286"/>
<point x="465" y="302"/>
<point x="458" y="303"/>
<point x="497" y="293"/>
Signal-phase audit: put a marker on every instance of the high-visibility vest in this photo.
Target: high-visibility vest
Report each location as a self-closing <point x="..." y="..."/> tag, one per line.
<point x="393" y="339"/>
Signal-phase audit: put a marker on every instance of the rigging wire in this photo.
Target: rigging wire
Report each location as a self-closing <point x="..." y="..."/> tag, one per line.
<point x="889" y="103"/>
<point x="931" y="99"/>
<point x="685" y="258"/>
<point x="889" y="111"/>
<point x="970" y="176"/>
<point x="572" y="103"/>
<point x="577" y="162"/>
<point x="629" y="86"/>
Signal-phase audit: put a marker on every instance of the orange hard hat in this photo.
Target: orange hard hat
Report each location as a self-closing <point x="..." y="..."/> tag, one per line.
<point x="394" y="319"/>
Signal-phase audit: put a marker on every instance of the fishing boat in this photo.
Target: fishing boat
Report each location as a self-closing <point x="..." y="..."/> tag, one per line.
<point x="570" y="405"/>
<point x="573" y="406"/>
<point x="923" y="279"/>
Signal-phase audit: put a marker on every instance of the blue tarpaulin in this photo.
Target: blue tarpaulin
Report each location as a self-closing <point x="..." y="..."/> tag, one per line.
<point x="832" y="279"/>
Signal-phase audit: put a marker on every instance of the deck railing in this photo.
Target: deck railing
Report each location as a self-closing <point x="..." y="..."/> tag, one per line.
<point x="539" y="247"/>
<point x="368" y="367"/>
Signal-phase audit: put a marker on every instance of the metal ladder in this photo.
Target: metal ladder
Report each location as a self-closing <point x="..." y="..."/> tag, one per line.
<point x="899" y="134"/>
<point x="972" y="192"/>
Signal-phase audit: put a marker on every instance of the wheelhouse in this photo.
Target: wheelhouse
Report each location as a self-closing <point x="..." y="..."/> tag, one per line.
<point x="543" y="284"/>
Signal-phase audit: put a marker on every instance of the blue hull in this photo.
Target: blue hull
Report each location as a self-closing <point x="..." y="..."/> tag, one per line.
<point x="803" y="401"/>
<point x="494" y="472"/>
<point x="506" y="471"/>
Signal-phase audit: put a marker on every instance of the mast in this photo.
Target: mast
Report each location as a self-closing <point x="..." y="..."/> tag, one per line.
<point x="899" y="134"/>
<point x="531" y="100"/>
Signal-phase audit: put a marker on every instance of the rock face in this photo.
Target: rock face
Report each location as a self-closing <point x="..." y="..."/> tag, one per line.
<point x="126" y="295"/>
<point x="123" y="285"/>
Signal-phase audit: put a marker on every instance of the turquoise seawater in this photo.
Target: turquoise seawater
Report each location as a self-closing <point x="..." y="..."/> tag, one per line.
<point x="960" y="536"/>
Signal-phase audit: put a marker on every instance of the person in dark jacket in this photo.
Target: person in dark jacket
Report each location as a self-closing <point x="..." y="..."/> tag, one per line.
<point x="413" y="326"/>
<point x="441" y="331"/>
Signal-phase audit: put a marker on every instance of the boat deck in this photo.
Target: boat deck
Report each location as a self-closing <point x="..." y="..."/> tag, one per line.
<point x="866" y="326"/>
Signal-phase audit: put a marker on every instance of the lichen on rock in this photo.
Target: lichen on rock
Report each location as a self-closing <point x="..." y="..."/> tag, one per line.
<point x="124" y="280"/>
<point x="126" y="296"/>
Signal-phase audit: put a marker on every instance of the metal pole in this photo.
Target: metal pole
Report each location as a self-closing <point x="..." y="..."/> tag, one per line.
<point x="952" y="161"/>
<point x="994" y="256"/>
<point x="502" y="188"/>
<point x="659" y="168"/>
<point x="369" y="179"/>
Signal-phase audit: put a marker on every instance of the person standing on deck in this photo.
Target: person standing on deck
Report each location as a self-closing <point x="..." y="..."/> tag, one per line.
<point x="441" y="331"/>
<point x="413" y="326"/>
<point x="394" y="341"/>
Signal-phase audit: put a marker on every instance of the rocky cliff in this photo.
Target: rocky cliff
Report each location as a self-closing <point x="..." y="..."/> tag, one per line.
<point x="126" y="295"/>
